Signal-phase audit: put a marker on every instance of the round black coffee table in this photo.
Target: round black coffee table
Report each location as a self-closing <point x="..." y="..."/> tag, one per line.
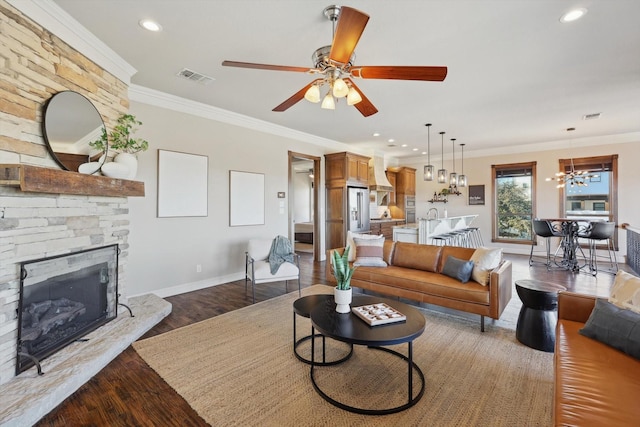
<point x="302" y="307"/>
<point x="353" y="330"/>
<point x="539" y="314"/>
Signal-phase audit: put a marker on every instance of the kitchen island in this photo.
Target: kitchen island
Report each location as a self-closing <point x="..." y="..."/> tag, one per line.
<point x="385" y="226"/>
<point x="423" y="231"/>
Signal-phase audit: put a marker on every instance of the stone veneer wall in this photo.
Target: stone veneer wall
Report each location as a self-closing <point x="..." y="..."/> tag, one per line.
<point x="34" y="65"/>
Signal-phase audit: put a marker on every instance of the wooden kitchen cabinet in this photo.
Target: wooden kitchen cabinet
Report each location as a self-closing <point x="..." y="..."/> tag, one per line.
<point x="405" y="181"/>
<point x="346" y="169"/>
<point x="385" y="228"/>
<point x="342" y="170"/>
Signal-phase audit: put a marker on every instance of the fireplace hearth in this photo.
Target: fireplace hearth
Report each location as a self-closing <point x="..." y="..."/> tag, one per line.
<point x="63" y="298"/>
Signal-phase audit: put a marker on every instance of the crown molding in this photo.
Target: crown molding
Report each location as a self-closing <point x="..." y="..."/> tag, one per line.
<point x="52" y="17"/>
<point x="175" y="103"/>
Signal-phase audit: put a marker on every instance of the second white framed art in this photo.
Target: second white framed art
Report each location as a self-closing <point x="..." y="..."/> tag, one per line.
<point x="182" y="184"/>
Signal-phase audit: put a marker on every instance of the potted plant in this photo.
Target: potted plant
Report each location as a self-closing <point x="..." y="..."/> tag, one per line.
<point x="342" y="272"/>
<point x="120" y="139"/>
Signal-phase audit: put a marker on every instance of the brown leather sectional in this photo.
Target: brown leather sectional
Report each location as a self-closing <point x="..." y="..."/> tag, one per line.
<point x="595" y="385"/>
<point x="413" y="272"/>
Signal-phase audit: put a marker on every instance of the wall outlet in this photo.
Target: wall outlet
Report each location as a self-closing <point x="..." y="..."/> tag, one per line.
<point x="198" y="268"/>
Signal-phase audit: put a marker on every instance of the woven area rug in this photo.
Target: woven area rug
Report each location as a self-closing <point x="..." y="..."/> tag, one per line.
<point x="239" y="369"/>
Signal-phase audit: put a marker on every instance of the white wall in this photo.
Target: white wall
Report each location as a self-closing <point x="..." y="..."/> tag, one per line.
<point x="164" y="252"/>
<point x="477" y="167"/>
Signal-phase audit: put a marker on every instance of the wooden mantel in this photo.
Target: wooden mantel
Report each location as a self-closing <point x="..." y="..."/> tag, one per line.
<point x="44" y="180"/>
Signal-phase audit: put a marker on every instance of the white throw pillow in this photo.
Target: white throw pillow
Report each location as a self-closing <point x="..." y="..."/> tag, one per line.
<point x="351" y="244"/>
<point x="485" y="260"/>
<point x="625" y="292"/>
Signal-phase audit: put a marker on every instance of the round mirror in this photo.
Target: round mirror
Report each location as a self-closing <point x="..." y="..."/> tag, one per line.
<point x="70" y="123"/>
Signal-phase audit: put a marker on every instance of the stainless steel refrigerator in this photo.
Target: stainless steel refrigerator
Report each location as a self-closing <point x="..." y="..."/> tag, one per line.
<point x="358" y="210"/>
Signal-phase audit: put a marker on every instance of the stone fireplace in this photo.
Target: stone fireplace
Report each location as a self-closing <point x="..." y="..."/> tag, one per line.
<point x="63" y="298"/>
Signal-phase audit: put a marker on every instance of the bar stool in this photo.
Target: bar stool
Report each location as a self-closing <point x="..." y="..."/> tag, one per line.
<point x="475" y="237"/>
<point x="597" y="232"/>
<point x="544" y="229"/>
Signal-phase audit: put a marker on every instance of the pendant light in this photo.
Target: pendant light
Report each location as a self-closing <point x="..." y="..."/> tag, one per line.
<point x="462" y="178"/>
<point x="428" y="169"/>
<point x="453" y="176"/>
<point x="442" y="173"/>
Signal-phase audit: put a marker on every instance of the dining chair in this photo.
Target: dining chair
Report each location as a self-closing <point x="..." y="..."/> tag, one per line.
<point x="258" y="268"/>
<point x="543" y="228"/>
<point x="599" y="231"/>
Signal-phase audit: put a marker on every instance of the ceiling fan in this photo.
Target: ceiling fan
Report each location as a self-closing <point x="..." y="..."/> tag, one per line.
<point x="335" y="64"/>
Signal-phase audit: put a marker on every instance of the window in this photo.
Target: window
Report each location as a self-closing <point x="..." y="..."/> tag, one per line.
<point x="598" y="199"/>
<point x="513" y="202"/>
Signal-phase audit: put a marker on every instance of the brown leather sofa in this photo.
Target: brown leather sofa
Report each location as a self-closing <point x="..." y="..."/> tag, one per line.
<point x="595" y="385"/>
<point x="413" y="273"/>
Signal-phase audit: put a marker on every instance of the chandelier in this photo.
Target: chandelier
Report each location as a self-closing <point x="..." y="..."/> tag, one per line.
<point x="573" y="178"/>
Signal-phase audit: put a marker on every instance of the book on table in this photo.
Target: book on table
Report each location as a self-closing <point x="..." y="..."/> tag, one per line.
<point x="378" y="314"/>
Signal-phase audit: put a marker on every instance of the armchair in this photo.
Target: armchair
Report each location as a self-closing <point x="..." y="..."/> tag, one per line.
<point x="258" y="270"/>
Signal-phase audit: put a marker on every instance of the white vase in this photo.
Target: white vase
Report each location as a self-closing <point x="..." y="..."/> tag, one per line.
<point x="115" y="170"/>
<point x="130" y="161"/>
<point x="343" y="300"/>
<point x="89" y="168"/>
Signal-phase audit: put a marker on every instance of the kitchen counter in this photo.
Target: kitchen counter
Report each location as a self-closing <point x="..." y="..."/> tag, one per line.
<point x="386" y="219"/>
<point x="385" y="226"/>
<point x="422" y="231"/>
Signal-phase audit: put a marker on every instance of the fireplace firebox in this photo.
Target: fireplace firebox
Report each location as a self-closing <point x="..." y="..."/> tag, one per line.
<point x="63" y="298"/>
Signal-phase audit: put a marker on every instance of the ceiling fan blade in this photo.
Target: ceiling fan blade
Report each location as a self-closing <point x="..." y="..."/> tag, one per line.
<point x="434" y="74"/>
<point x="365" y="106"/>
<point x="265" y="66"/>
<point x="295" y="98"/>
<point x="350" y="26"/>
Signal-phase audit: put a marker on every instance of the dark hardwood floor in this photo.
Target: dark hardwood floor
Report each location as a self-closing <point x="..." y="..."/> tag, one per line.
<point x="127" y="392"/>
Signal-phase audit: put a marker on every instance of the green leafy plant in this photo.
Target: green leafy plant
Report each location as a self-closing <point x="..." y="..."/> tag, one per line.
<point x="341" y="270"/>
<point x="100" y="144"/>
<point x="120" y="138"/>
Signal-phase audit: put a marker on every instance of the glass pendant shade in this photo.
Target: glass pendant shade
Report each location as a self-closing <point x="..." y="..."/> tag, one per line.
<point x="442" y="173"/>
<point x="453" y="176"/>
<point x="428" y="169"/>
<point x="313" y="94"/>
<point x="340" y="88"/>
<point x="462" y="178"/>
<point x="328" y="102"/>
<point x="428" y="172"/>
<point x="353" y="97"/>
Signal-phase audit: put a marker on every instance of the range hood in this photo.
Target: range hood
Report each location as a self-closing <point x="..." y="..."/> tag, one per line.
<point x="377" y="178"/>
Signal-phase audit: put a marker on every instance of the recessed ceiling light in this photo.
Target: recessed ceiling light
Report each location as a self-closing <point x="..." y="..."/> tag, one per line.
<point x="391" y="140"/>
<point x="403" y="145"/>
<point x="573" y="15"/>
<point x="376" y="134"/>
<point x="424" y="152"/>
<point x="415" y="149"/>
<point x="150" y="25"/>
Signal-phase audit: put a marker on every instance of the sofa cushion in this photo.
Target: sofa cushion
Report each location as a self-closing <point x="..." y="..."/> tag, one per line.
<point x="614" y="326"/>
<point x="593" y="385"/>
<point x="625" y="292"/>
<point x="458" y="269"/>
<point x="455" y="251"/>
<point x="369" y="252"/>
<point x="485" y="260"/>
<point x="420" y="281"/>
<point x="352" y="244"/>
<point x="417" y="257"/>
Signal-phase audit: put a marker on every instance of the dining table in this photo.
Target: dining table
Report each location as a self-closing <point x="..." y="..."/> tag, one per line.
<point x="569" y="228"/>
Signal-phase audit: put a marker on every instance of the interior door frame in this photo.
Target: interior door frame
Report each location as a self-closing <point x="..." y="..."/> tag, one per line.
<point x="316" y="209"/>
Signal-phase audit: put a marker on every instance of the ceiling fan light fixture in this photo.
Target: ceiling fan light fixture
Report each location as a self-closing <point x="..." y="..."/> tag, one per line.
<point x="353" y="97"/>
<point x="340" y="88"/>
<point x="313" y="94"/>
<point x="328" y="103"/>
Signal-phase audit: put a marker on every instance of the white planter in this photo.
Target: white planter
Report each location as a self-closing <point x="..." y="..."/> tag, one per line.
<point x="115" y="170"/>
<point x="343" y="300"/>
<point x="130" y="161"/>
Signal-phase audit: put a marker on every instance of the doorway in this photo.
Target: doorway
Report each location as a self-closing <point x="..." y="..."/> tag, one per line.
<point x="304" y="220"/>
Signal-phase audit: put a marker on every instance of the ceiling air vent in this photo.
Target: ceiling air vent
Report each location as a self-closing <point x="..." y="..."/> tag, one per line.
<point x="592" y="116"/>
<point x="188" y="74"/>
